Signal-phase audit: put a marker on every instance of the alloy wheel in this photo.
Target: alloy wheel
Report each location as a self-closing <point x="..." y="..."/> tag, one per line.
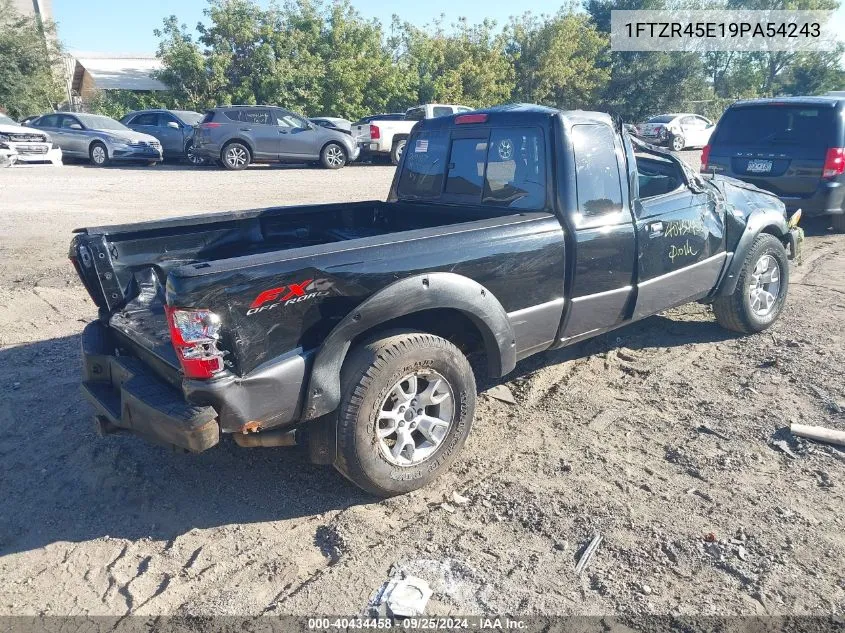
<point x="335" y="156"/>
<point x="236" y="156"/>
<point x="414" y="418"/>
<point x="765" y="285"/>
<point x="98" y="154"/>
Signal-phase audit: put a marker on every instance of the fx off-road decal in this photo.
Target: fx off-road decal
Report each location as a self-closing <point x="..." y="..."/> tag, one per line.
<point x="290" y="294"/>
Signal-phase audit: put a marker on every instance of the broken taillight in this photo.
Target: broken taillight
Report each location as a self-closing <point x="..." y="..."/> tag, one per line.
<point x="194" y="334"/>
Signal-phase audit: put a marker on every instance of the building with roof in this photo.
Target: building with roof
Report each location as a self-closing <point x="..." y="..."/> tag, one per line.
<point x="89" y="73"/>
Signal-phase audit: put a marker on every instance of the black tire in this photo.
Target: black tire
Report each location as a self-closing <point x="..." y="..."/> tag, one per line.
<point x="333" y="156"/>
<point x="369" y="375"/>
<point x="397" y="150"/>
<point x="235" y="156"/>
<point x="192" y="157"/>
<point x="152" y="163"/>
<point x="677" y="142"/>
<point x="838" y="222"/>
<point x="99" y="154"/>
<point x="735" y="311"/>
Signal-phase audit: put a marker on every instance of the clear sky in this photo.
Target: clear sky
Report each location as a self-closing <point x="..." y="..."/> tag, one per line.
<point x="124" y="26"/>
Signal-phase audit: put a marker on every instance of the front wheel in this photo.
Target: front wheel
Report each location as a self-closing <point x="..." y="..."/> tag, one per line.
<point x="397" y="151"/>
<point x="761" y="289"/>
<point x="99" y="155"/>
<point x="192" y="156"/>
<point x="406" y="410"/>
<point x="333" y="156"/>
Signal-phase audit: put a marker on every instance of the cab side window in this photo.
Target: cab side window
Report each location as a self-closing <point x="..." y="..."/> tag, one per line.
<point x="148" y="118"/>
<point x="598" y="183"/>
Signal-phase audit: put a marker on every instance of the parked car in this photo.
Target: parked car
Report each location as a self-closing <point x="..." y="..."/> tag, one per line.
<point x="347" y="326"/>
<point x="174" y="129"/>
<point x="793" y="147"/>
<point x="97" y="138"/>
<point x="24" y="145"/>
<point x="333" y="123"/>
<point x="678" y="131"/>
<point x="387" y="137"/>
<point x="236" y="136"/>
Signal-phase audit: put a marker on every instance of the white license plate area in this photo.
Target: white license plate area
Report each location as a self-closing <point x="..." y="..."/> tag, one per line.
<point x="759" y="166"/>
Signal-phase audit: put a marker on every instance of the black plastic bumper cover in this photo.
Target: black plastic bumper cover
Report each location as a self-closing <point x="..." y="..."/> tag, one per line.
<point x="130" y="397"/>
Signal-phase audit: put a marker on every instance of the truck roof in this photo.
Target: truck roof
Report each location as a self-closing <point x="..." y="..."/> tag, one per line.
<point x="522" y="113"/>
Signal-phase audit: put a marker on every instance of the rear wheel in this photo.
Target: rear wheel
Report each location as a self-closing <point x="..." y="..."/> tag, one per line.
<point x="678" y="142"/>
<point x="99" y="154"/>
<point x="405" y="413"/>
<point x="838" y="222"/>
<point x="760" y="291"/>
<point x="333" y="156"/>
<point x="397" y="150"/>
<point x="235" y="156"/>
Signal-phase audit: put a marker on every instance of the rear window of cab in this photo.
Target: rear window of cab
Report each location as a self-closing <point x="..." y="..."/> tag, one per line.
<point x="501" y="167"/>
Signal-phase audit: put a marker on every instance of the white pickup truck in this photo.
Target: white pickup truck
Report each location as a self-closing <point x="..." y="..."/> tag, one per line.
<point x="388" y="137"/>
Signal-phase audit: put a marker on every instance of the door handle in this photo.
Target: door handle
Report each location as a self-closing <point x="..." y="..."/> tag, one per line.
<point x="655" y="229"/>
<point x="246" y="129"/>
<point x="283" y="131"/>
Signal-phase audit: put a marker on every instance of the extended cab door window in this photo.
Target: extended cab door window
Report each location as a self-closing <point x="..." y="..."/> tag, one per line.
<point x="516" y="169"/>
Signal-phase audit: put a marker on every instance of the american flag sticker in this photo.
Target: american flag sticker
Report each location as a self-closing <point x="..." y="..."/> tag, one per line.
<point x="422" y="145"/>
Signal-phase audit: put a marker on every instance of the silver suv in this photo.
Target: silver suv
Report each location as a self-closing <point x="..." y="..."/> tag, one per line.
<point x="235" y="136"/>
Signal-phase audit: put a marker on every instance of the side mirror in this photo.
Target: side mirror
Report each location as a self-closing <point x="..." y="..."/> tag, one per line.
<point x="173" y="124"/>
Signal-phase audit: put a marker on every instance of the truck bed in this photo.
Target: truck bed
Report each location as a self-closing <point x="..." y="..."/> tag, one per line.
<point x="223" y="261"/>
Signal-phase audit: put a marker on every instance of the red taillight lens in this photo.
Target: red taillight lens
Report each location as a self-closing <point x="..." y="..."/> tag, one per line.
<point x="375" y="133"/>
<point x="705" y="156"/>
<point x="194" y="334"/>
<point x="834" y="162"/>
<point x="209" y="126"/>
<point x="470" y="118"/>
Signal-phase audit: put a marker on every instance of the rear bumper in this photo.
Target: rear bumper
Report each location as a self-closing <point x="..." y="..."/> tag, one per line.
<point x="127" y="396"/>
<point x="828" y="199"/>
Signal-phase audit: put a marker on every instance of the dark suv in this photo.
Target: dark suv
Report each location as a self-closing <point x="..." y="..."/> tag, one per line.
<point x="793" y="147"/>
<point x="236" y="136"/>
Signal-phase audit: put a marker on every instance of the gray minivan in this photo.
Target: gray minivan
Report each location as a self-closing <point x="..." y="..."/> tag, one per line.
<point x="235" y="136"/>
<point x="791" y="146"/>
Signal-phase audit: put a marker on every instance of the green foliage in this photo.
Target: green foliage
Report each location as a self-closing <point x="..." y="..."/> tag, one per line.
<point x="118" y="103"/>
<point x="30" y="64"/>
<point x="560" y="61"/>
<point x="322" y="57"/>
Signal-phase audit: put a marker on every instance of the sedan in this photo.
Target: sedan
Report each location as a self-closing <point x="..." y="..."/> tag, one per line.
<point x="678" y="131"/>
<point x="98" y="139"/>
<point x="173" y="128"/>
<point x="333" y="123"/>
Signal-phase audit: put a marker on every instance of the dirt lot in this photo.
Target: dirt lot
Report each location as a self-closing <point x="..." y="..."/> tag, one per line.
<point x="655" y="436"/>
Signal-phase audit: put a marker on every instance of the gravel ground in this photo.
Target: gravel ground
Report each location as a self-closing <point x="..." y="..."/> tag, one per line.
<point x="668" y="437"/>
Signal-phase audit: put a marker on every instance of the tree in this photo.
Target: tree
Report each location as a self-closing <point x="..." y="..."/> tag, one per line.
<point x="559" y="61"/>
<point x="466" y="64"/>
<point x="30" y="64"/>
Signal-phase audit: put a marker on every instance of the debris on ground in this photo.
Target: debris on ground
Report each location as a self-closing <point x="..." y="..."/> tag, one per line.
<point x="502" y="393"/>
<point x="818" y="433"/>
<point x="783" y="446"/>
<point x="401" y="598"/>
<point x="588" y="553"/>
<point x="459" y="499"/>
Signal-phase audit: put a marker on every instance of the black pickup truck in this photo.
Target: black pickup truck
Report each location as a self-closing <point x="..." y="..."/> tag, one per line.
<point x="506" y="232"/>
